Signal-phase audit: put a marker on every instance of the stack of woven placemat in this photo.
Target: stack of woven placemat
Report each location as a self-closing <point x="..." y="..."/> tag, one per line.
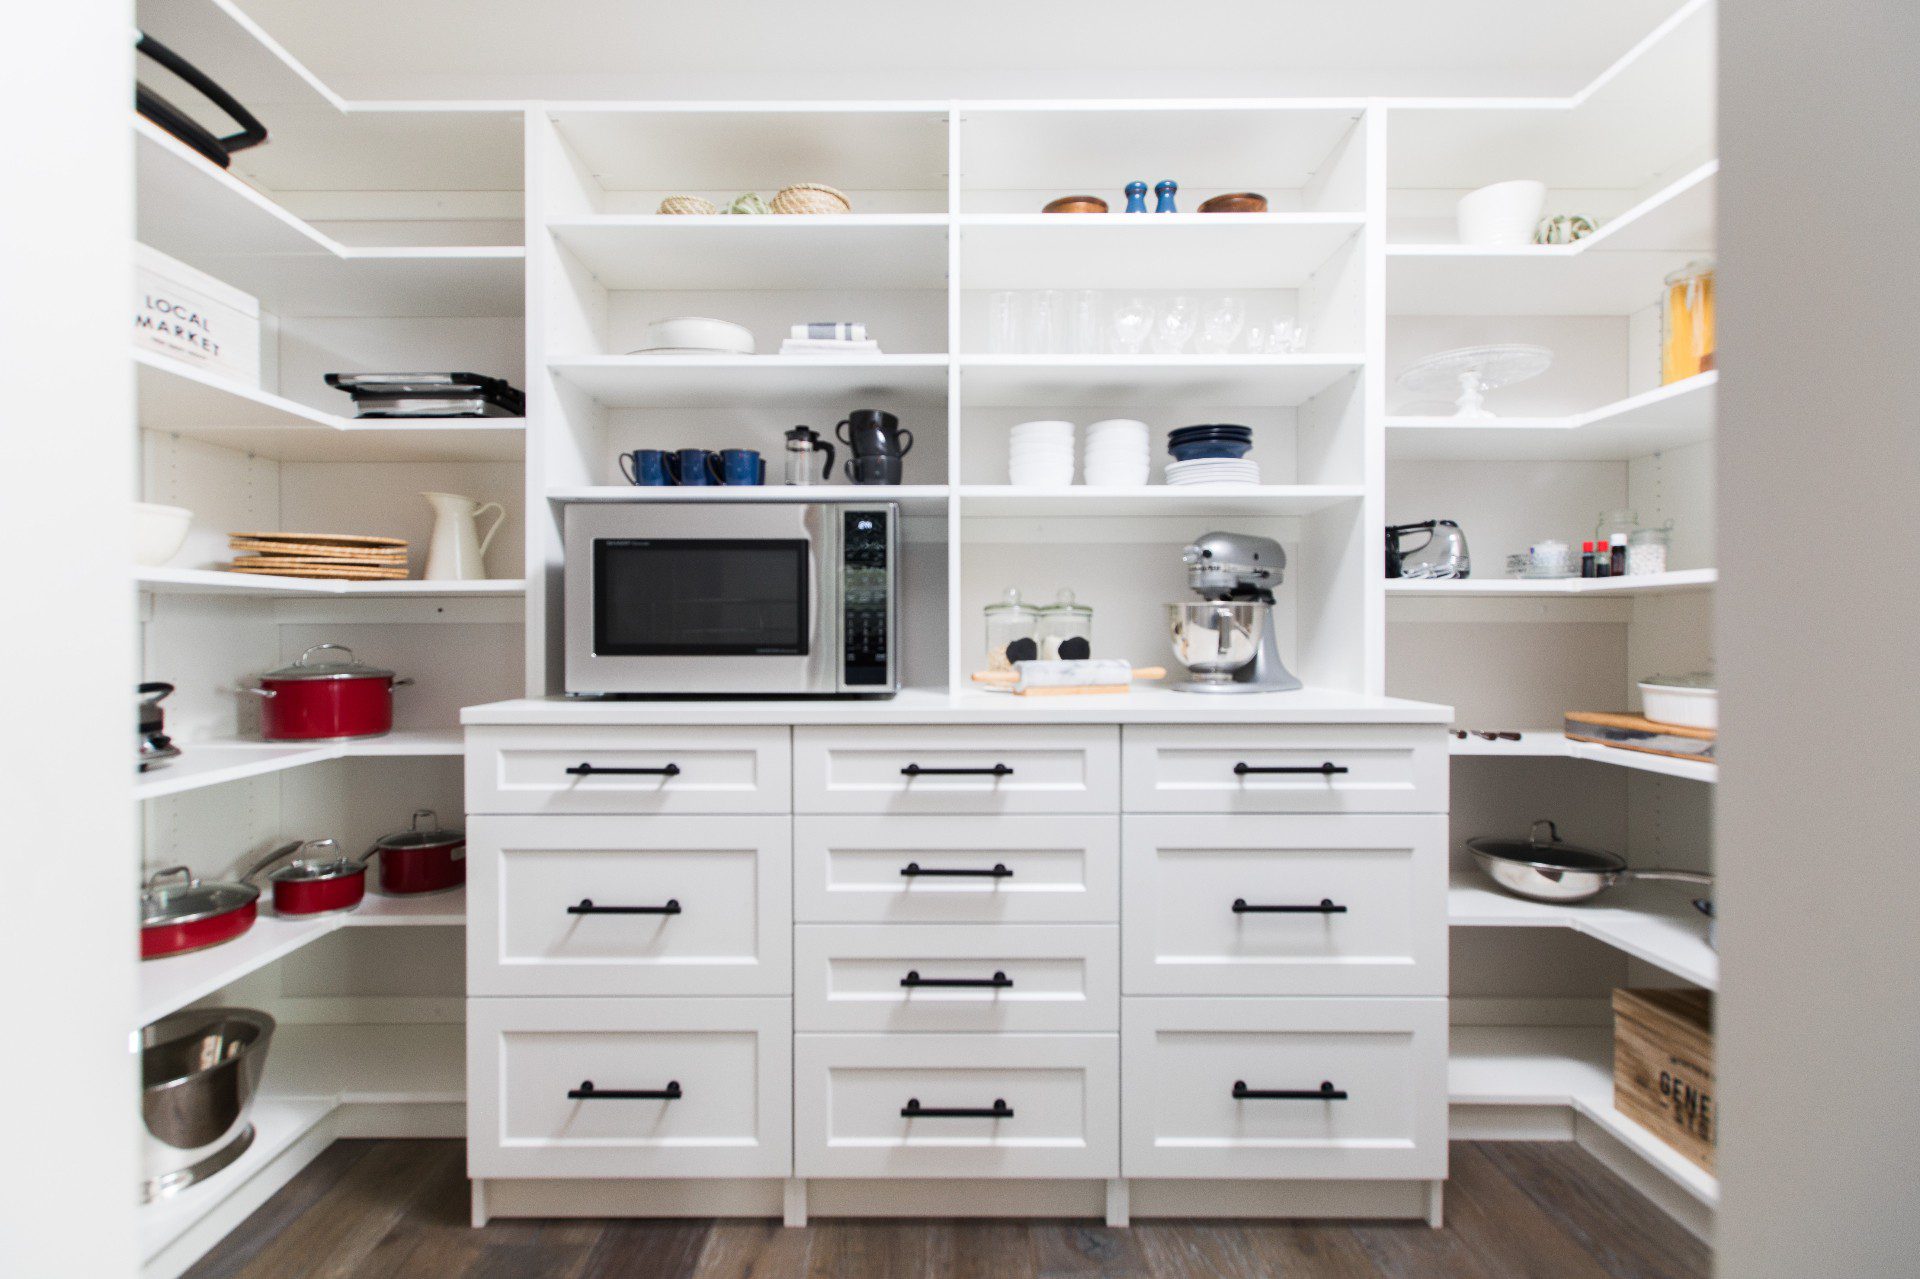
<point x="339" y="555"/>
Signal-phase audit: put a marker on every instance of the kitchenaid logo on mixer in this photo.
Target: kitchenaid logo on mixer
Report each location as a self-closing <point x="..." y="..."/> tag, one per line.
<point x="165" y="318"/>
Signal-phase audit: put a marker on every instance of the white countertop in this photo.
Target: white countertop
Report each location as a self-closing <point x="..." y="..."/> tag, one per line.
<point x="1144" y="705"/>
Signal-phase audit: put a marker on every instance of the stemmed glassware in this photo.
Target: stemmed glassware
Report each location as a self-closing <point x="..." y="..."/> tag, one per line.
<point x="1131" y="322"/>
<point x="1176" y="326"/>
<point x="1221" y="323"/>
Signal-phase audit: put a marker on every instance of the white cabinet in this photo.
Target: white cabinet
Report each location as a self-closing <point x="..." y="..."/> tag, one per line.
<point x="1230" y="768"/>
<point x="966" y="977"/>
<point x="956" y="1106"/>
<point x="1285" y="905"/>
<point x="965" y="768"/>
<point x="907" y="869"/>
<point x="620" y="768"/>
<point x="629" y="1088"/>
<point x="628" y="906"/>
<point x="1329" y="1088"/>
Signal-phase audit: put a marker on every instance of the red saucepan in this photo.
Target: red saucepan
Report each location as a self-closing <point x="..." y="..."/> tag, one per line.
<point x="326" y="698"/>
<point x="320" y="880"/>
<point x="422" y="859"/>
<point x="179" y="913"/>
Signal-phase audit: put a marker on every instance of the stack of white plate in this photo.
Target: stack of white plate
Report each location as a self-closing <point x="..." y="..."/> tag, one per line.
<point x="1117" y="455"/>
<point x="1041" y="455"/>
<point x="1214" y="470"/>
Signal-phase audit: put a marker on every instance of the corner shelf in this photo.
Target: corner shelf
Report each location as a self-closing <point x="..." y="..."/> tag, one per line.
<point x="208" y="581"/>
<point x="1654" y="922"/>
<point x="214" y="763"/>
<point x="1670" y="417"/>
<point x="1548" y="744"/>
<point x="718" y="381"/>
<point x="1693" y="579"/>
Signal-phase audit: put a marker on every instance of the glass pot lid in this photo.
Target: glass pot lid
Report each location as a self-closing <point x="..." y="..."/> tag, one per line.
<point x="174" y="896"/>
<point x="318" y="860"/>
<point x="418" y="835"/>
<point x="342" y="665"/>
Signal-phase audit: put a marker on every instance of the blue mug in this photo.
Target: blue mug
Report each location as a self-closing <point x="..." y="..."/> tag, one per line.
<point x="689" y="466"/>
<point x="737" y="466"/>
<point x="645" y="467"/>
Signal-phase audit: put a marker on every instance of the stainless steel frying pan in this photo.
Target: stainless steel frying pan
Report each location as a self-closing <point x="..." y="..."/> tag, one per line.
<point x="1544" y="868"/>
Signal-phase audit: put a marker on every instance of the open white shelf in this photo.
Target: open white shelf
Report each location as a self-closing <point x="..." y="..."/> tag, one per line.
<point x="915" y="499"/>
<point x="213" y="763"/>
<point x="1220" y="381"/>
<point x="1668" y="417"/>
<point x="1267" y="500"/>
<point x="1653" y="921"/>
<point x="1692" y="579"/>
<point x="211" y="581"/>
<point x="1150" y="251"/>
<point x="1548" y="744"/>
<point x="722" y="381"/>
<point x="182" y="400"/>
<point x="1560" y="1066"/>
<point x="279" y="1123"/>
<point x="760" y="252"/>
<point x="177" y="980"/>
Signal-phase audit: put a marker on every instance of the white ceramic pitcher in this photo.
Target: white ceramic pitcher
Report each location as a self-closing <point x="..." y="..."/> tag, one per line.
<point x="457" y="552"/>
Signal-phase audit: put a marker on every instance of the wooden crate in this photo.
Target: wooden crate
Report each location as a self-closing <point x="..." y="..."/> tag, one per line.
<point x="1663" y="1067"/>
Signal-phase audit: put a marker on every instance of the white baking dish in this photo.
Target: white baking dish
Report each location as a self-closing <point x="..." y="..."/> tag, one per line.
<point x="696" y="335"/>
<point x="1686" y="700"/>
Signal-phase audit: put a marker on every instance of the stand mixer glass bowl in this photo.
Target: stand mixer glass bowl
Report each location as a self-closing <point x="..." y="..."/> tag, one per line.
<point x="1213" y="639"/>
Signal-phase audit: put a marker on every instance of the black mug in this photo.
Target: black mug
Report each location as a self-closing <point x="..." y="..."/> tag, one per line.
<point x="873" y="433"/>
<point x="874" y="468"/>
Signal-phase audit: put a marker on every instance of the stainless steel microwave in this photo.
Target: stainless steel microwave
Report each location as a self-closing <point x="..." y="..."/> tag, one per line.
<point x="768" y="599"/>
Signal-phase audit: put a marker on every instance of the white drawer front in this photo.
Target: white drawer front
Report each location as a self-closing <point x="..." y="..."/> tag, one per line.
<point x="730" y="1060"/>
<point x="1185" y="1059"/>
<point x="981" y="977"/>
<point x="957" y="769"/>
<point x="1062" y="1091"/>
<point x="957" y="869"/>
<point x="1364" y="898"/>
<point x="1193" y="768"/>
<point x="575" y="769"/>
<point x="628" y="906"/>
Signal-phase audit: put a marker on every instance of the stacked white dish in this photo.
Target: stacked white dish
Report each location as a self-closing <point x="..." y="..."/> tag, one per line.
<point x="1117" y="454"/>
<point x="1214" y="470"/>
<point x="1040" y="454"/>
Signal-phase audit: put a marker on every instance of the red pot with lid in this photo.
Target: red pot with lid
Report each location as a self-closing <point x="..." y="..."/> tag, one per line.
<point x="179" y="913"/>
<point x="326" y="695"/>
<point x="319" y="880"/>
<point x="425" y="858"/>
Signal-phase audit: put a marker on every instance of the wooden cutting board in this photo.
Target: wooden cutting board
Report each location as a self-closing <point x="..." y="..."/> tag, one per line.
<point x="326" y="539"/>
<point x="1604" y="728"/>
<point x="354" y="573"/>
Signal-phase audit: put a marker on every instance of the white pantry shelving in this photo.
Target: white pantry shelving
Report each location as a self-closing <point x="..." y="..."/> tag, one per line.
<point x="1194" y="501"/>
<point x="1654" y="921"/>
<point x="719" y="381"/>
<point x="1157" y="381"/>
<point x="207" y="581"/>
<point x="1548" y="744"/>
<point x="645" y="251"/>
<point x="1693" y="579"/>
<point x="213" y="763"/>
<point x="1668" y="417"/>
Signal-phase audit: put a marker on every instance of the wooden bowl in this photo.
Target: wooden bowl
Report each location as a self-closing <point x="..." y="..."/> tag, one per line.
<point x="809" y="197"/>
<point x="1076" y="204"/>
<point x="1235" y="202"/>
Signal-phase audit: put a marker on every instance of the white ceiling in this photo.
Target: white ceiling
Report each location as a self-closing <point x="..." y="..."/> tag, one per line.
<point x="960" y="48"/>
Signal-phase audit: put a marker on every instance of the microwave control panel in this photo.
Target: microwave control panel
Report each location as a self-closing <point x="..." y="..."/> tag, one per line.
<point x="865" y="598"/>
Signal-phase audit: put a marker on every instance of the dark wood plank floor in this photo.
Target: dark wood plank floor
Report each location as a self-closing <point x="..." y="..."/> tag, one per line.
<point x="398" y="1210"/>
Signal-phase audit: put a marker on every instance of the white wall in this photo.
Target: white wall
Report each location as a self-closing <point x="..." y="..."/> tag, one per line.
<point x="68" y="1082"/>
<point x="1819" y="1036"/>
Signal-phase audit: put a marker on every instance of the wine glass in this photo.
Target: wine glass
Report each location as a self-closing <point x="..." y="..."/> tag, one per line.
<point x="1083" y="322"/>
<point x="1221" y="323"/>
<point x="1176" y="326"/>
<point x="1130" y="324"/>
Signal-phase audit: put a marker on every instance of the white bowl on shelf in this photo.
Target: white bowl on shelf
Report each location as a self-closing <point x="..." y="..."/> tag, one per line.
<point x="1503" y="215"/>
<point x="695" y="335"/>
<point x="158" y="532"/>
<point x="1687" y="705"/>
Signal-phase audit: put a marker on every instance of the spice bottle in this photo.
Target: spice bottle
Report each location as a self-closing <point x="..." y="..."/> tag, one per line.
<point x="1586" y="559"/>
<point x="1617" y="555"/>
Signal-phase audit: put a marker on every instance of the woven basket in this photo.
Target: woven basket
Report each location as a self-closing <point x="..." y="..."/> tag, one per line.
<point x="809" y="197"/>
<point x="687" y="204"/>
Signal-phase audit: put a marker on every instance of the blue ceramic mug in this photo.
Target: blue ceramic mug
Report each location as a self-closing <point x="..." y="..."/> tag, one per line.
<point x="737" y="467"/>
<point x="689" y="467"/>
<point x="645" y="467"/>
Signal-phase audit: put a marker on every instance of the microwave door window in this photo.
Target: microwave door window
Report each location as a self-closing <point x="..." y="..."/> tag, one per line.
<point x="658" y="597"/>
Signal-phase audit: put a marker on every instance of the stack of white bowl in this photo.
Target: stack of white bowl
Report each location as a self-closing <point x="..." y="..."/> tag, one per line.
<point x="1041" y="455"/>
<point x="1117" y="455"/>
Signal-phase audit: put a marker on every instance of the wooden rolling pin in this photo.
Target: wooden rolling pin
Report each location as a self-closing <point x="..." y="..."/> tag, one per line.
<point x="1062" y="679"/>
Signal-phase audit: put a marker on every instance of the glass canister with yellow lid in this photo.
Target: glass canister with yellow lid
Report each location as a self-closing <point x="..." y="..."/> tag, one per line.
<point x="1686" y="323"/>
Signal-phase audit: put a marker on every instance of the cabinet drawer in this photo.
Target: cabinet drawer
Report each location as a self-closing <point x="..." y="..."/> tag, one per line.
<point x="1050" y="1106"/>
<point x="1193" y="768"/>
<point x="726" y="1062"/>
<point x="1383" y="1060"/>
<point x="957" y="769"/>
<point x="628" y="906"/>
<point x="979" y="977"/>
<point x="957" y="869"/>
<point x="1297" y="905"/>
<point x="617" y="768"/>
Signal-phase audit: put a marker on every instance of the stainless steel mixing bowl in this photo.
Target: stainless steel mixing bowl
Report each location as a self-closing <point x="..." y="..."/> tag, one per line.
<point x="1213" y="640"/>
<point x="200" y="1070"/>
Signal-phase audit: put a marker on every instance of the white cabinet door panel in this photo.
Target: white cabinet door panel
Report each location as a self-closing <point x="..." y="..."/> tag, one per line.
<point x="960" y="768"/>
<point x="622" y="768"/>
<point x="1319" y="768"/>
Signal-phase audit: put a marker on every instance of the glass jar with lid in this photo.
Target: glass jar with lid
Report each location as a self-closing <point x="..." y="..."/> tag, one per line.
<point x="1686" y="323"/>
<point x="1061" y="621"/>
<point x="1619" y="521"/>
<point x="1008" y="620"/>
<point x="1647" y="550"/>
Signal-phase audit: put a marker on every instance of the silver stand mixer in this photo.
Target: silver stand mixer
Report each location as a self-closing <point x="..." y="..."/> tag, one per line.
<point x="1227" y="641"/>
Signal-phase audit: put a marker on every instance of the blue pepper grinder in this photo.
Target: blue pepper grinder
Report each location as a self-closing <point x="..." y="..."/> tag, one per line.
<point x="1165" y="191"/>
<point x="1136" y="196"/>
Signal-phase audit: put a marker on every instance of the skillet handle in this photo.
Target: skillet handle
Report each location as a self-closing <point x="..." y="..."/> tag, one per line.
<point x="1678" y="876"/>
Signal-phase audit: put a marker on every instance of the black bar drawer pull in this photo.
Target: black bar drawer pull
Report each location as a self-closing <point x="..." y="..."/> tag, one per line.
<point x="915" y="770"/>
<point x="591" y="770"/>
<point x="1327" y="769"/>
<point x="914" y="1110"/>
<point x="1326" y="907"/>
<point x="999" y="980"/>
<point x="586" y="907"/>
<point x="999" y="871"/>
<point x="587" y="1092"/>
<point x="1325" y="1092"/>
